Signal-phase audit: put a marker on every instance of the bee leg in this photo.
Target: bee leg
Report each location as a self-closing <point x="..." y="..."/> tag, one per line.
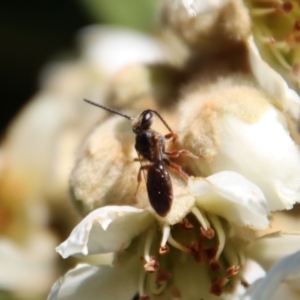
<point x="138" y="159"/>
<point x="139" y="177"/>
<point x="177" y="169"/>
<point x="176" y="153"/>
<point x="172" y="135"/>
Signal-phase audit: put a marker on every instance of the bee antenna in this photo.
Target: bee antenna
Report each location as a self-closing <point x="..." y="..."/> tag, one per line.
<point x="109" y="109"/>
<point x="161" y="118"/>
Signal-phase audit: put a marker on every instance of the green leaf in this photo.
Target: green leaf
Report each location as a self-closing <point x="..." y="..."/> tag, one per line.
<point x="136" y="14"/>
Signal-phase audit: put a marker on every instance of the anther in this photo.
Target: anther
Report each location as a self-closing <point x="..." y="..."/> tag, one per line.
<point x="216" y="287"/>
<point x="287" y="6"/>
<point x="162" y="276"/>
<point x="164" y="250"/>
<point x="214" y="265"/>
<point x="185" y="224"/>
<point x="296" y="69"/>
<point x="209" y="233"/>
<point x="196" y="252"/>
<point x="297" y="26"/>
<point x="245" y="284"/>
<point x="232" y="271"/>
<point x="151" y="266"/>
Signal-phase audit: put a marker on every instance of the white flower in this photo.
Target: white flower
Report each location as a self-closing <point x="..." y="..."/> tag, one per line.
<point x="38" y="152"/>
<point x="231" y="125"/>
<point x="208" y="249"/>
<point x="281" y="282"/>
<point x="236" y="114"/>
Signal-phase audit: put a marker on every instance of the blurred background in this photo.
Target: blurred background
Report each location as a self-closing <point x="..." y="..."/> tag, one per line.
<point x="46" y="69"/>
<point x="35" y="32"/>
<point x="42" y="75"/>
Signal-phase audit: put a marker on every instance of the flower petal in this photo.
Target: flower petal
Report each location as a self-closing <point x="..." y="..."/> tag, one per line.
<point x="193" y="280"/>
<point x="287" y="99"/>
<point x="267" y="287"/>
<point x="230" y="195"/>
<point x="107" y="229"/>
<point x="108" y="49"/>
<point x="271" y="248"/>
<point x="98" y="282"/>
<point x="264" y="153"/>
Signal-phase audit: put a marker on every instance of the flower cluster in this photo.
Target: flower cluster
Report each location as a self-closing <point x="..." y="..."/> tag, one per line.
<point x="237" y="116"/>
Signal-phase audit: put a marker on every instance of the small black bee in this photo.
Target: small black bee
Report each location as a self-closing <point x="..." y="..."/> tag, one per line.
<point x="150" y="146"/>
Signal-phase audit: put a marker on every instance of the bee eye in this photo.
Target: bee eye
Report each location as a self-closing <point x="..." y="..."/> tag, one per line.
<point x="147" y="116"/>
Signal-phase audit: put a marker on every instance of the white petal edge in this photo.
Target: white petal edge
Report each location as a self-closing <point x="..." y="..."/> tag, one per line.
<point x="267" y="287"/>
<point x="272" y="82"/>
<point x="98" y="282"/>
<point x="106" y="229"/>
<point x="273" y="247"/>
<point x="230" y="195"/>
<point x="108" y="49"/>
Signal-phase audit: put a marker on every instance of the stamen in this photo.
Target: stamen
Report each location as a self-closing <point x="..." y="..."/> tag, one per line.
<point x="164" y="249"/>
<point x="177" y="245"/>
<point x="280" y="58"/>
<point x="281" y="45"/>
<point x="241" y="256"/>
<point x="148" y="243"/>
<point x="231" y="255"/>
<point x="141" y="281"/>
<point x="166" y="233"/>
<point x="200" y="217"/>
<point x="267" y="39"/>
<point x="256" y="12"/>
<point x="220" y="232"/>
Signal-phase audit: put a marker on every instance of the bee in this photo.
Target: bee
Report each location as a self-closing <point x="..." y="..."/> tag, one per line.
<point x="152" y="154"/>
